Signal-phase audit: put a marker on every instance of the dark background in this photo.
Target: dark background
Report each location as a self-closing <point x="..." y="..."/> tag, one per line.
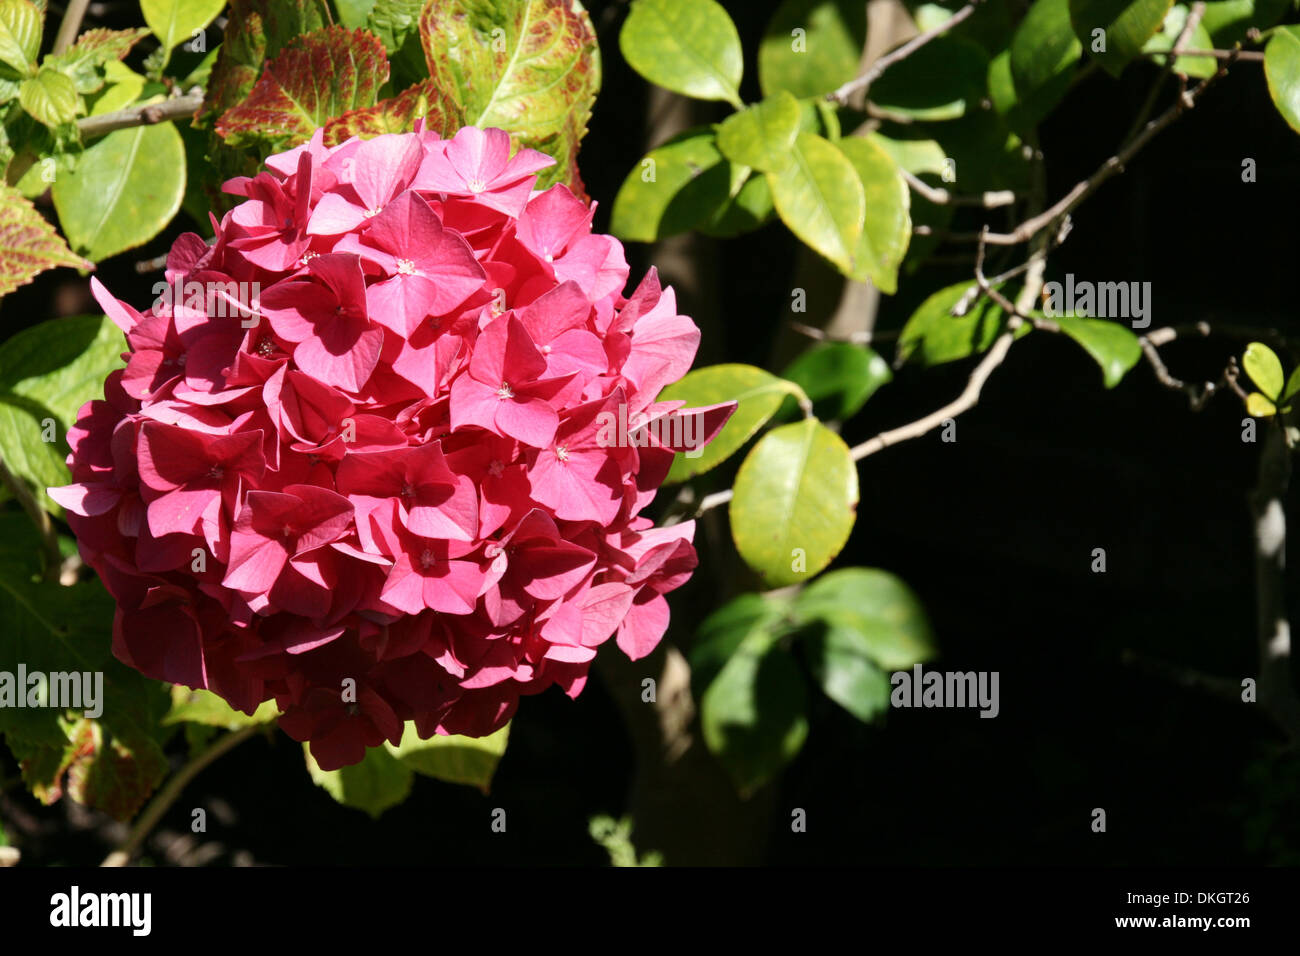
<point x="994" y="532"/>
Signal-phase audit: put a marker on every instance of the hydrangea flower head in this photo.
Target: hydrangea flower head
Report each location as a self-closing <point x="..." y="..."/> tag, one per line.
<point x="370" y="469"/>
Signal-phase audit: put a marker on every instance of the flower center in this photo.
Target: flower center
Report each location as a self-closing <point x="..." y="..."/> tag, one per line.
<point x="562" y="453"/>
<point x="286" y="531"/>
<point x="476" y="185"/>
<point x="405" y="267"/>
<point x="407" y="490"/>
<point x="495" y="468"/>
<point x="505" y="391"/>
<point x="265" y="346"/>
<point x="426" y="558"/>
<point x="216" y="471"/>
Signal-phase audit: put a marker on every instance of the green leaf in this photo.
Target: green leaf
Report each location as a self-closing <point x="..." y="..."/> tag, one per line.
<point x="758" y="393"/>
<point x="1257" y="406"/>
<point x="1292" y="385"/>
<point x="354" y="13"/>
<point x="677" y="187"/>
<point x="379" y="782"/>
<point x="20" y="35"/>
<point x="746" y="211"/>
<point x="61" y="364"/>
<point x="838" y="377"/>
<point x="397" y="23"/>
<point x="722" y="632"/>
<point x="889" y="622"/>
<point x="454" y="759"/>
<point x="1167" y="36"/>
<point x="174" y="21"/>
<point x="887" y="227"/>
<point x="1264" y="368"/>
<point x="127" y="85"/>
<point x="199" y="706"/>
<point x="288" y="103"/>
<point x="124" y="190"/>
<point x="395" y="115"/>
<point x="1126" y="26"/>
<point x="761" y="135"/>
<point x="1228" y="21"/>
<point x="28" y="243"/>
<point x="529" y="67"/>
<point x="752" y="715"/>
<point x="23" y="430"/>
<point x="50" y="97"/>
<point x="819" y="197"/>
<point x="687" y="46"/>
<point x="1044" y="51"/>
<point x="842" y="665"/>
<point x="1115" y="348"/>
<point x="940" y="81"/>
<point x="794" y="501"/>
<point x="1282" y="70"/>
<point x="111" y="762"/>
<point x="935" y="335"/>
<point x="85" y="62"/>
<point x="817" y="60"/>
<point x="917" y="156"/>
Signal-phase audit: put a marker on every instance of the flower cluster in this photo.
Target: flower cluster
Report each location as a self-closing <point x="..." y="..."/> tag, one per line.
<point x="359" y="462"/>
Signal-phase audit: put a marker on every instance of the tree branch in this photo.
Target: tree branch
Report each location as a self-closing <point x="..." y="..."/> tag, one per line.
<point x="941" y="197"/>
<point x="178" y="107"/>
<point x="863" y="82"/>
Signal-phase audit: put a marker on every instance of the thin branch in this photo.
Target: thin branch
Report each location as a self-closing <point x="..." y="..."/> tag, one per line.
<point x="873" y="72"/>
<point x="941" y="197"/>
<point x="70" y="25"/>
<point x="49" y="537"/>
<point x="853" y="338"/>
<point x="178" y="107"/>
<point x="1115" y="164"/>
<point x="167" y="796"/>
<point x="1245" y="56"/>
<point x="1189" y="25"/>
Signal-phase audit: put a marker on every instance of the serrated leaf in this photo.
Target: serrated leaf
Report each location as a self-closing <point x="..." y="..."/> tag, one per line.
<point x="677" y="187"/>
<point x="761" y="135"/>
<point x="454" y="759"/>
<point x="395" y="115"/>
<point x="794" y="502"/>
<point x="1264" y="368"/>
<point x="20" y="35"/>
<point x="377" y="783"/>
<point x="887" y="225"/>
<point x="50" y="98"/>
<point x="934" y="335"/>
<point x="752" y="715"/>
<point x="1115" y="348"/>
<point x="289" y="101"/>
<point x="1126" y="26"/>
<point x="354" y="13"/>
<point x="28" y="243"/>
<point x="838" y="377"/>
<point x="687" y="46"/>
<point x="124" y="190"/>
<point x="529" y="67"/>
<point x="824" y="55"/>
<point x="112" y="762"/>
<point x="174" y="21"/>
<point x="889" y="622"/>
<point x="397" y="23"/>
<point x="200" y="706"/>
<point x="819" y="197"/>
<point x="1282" y="70"/>
<point x="758" y="395"/>
<point x="94" y="50"/>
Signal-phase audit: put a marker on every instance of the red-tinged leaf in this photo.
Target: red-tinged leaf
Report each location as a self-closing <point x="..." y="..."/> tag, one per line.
<point x="105" y="45"/>
<point x="317" y="77"/>
<point x="255" y="30"/>
<point x="530" y="67"/>
<point x="397" y="115"/>
<point x="94" y="769"/>
<point x="28" y="243"/>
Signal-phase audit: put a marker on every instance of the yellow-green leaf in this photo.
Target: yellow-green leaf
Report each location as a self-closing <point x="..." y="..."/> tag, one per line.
<point x="820" y="197"/>
<point x="761" y="135"/>
<point x="687" y="46"/>
<point x="1264" y="368"/>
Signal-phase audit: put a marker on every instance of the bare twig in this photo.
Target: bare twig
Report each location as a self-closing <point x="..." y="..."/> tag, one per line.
<point x="70" y="25"/>
<point x="873" y="72"/>
<point x="1245" y="56"/>
<point x="941" y="197"/>
<point x="854" y="338"/>
<point x="178" y="107"/>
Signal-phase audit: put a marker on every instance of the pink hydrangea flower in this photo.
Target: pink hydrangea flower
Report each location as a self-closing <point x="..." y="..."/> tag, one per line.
<point x="382" y="487"/>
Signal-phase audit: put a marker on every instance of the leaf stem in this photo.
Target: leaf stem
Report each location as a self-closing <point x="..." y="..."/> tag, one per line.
<point x="167" y="796"/>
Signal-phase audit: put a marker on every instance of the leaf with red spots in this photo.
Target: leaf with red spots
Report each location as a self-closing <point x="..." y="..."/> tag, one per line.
<point x="397" y="115"/>
<point x="28" y="243"/>
<point x="318" y="77"/>
<point x="530" y="67"/>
